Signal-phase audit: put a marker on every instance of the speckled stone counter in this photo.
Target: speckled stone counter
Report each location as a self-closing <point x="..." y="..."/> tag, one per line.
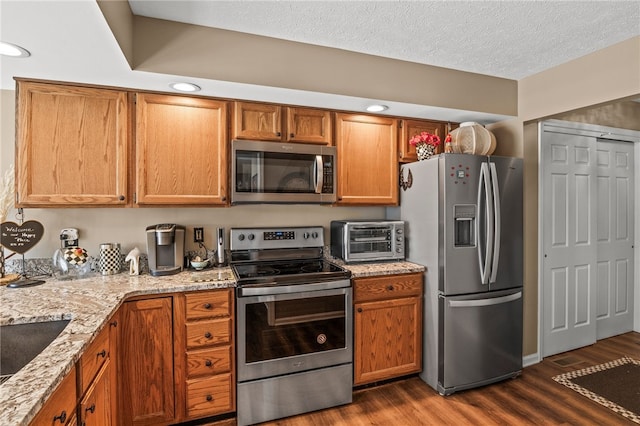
<point x="359" y="270"/>
<point x="88" y="303"/>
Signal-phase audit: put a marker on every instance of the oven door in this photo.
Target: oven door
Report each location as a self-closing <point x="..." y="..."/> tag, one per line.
<point x="263" y="172"/>
<point x="288" y="333"/>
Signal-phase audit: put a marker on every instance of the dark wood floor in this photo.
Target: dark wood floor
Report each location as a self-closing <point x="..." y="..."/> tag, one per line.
<point x="533" y="398"/>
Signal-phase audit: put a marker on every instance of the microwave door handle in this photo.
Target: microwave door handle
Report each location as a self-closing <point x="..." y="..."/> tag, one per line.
<point x="318" y="166"/>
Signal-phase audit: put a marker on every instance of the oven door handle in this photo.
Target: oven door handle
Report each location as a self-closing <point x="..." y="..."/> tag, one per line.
<point x="291" y="289"/>
<point x="318" y="166"/>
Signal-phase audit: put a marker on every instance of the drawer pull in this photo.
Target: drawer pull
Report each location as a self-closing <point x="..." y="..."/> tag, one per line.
<point x="390" y="288"/>
<point x="207" y="305"/>
<point x="208" y="363"/>
<point x="209" y="398"/>
<point x="62" y="417"/>
<point x="102" y="353"/>
<point x="359" y="309"/>
<point x="91" y="408"/>
<point x="207" y="335"/>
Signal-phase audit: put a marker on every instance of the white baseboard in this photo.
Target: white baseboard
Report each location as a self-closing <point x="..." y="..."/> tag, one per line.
<point x="530" y="359"/>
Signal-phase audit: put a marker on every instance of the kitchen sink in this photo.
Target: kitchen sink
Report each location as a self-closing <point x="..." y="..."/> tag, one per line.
<point x="20" y="343"/>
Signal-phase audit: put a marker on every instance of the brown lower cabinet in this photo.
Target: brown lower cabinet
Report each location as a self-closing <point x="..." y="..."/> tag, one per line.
<point x="145" y="383"/>
<point x="387" y="327"/>
<point x="176" y="358"/>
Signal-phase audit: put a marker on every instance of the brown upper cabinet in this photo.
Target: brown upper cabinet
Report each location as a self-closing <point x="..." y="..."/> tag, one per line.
<point x="410" y="128"/>
<point x="367" y="159"/>
<point x="181" y="150"/>
<point x="268" y="122"/>
<point x="72" y="146"/>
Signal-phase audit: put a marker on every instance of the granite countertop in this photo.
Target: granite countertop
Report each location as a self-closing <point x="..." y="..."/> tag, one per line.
<point x="89" y="303"/>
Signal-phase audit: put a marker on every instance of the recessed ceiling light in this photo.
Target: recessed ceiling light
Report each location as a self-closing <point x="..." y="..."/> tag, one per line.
<point x="8" y="49"/>
<point x="377" y="108"/>
<point x="185" y="87"/>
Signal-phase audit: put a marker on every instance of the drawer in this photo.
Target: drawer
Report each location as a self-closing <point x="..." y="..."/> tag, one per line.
<point x="387" y="287"/>
<point x="93" y="358"/>
<point x="208" y="333"/>
<point x="60" y="408"/>
<point x="206" y="397"/>
<point x="208" y="304"/>
<point x="208" y="361"/>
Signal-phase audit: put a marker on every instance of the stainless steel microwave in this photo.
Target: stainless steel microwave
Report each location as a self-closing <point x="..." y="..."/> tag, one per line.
<point x="275" y="172"/>
<point x="367" y="241"/>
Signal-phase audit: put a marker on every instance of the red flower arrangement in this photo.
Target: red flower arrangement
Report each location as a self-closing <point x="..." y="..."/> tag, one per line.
<point x="426" y="138"/>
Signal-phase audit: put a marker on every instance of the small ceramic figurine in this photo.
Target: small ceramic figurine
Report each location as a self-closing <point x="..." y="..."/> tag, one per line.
<point x="134" y="261"/>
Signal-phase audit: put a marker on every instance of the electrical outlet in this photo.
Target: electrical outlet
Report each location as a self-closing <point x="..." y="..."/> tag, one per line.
<point x="198" y="235"/>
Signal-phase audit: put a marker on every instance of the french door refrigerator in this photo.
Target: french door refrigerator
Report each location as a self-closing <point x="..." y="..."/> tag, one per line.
<point x="464" y="219"/>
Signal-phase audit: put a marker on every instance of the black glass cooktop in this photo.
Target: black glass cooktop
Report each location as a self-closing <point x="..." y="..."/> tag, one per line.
<point x="285" y="272"/>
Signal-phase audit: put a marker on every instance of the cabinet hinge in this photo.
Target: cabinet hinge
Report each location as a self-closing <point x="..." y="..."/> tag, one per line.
<point x="135" y="197"/>
<point x="135" y="98"/>
<point x="400" y="124"/>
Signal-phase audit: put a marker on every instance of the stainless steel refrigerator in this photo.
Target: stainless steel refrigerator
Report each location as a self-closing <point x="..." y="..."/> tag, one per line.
<point x="464" y="220"/>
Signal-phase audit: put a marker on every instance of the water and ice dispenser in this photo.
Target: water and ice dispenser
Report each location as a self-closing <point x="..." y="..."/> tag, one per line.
<point x="464" y="231"/>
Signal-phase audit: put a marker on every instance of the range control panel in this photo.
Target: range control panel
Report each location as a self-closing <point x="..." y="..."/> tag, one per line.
<point x="271" y="238"/>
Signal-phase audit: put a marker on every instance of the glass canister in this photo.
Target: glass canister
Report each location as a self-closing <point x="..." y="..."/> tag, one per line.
<point x="110" y="262"/>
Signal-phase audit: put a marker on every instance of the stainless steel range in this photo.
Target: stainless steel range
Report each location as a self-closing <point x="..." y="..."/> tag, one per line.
<point x="294" y="319"/>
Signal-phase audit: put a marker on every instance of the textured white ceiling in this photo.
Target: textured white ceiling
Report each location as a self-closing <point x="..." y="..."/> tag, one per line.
<point x="510" y="39"/>
<point x="70" y="40"/>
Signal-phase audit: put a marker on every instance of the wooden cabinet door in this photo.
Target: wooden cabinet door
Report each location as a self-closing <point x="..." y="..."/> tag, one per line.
<point x="388" y="339"/>
<point x="95" y="406"/>
<point x="72" y="146"/>
<point x="367" y="159"/>
<point x="181" y="150"/>
<point x="60" y="408"/>
<point x="146" y="385"/>
<point x="309" y="125"/>
<point x="257" y="121"/>
<point x="410" y="128"/>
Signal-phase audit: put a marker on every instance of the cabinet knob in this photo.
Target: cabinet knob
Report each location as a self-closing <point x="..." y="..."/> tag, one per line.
<point x="209" y="398"/>
<point x="390" y="287"/>
<point x="207" y="305"/>
<point x="207" y="335"/>
<point x="278" y="134"/>
<point x="114" y="324"/>
<point x="91" y="408"/>
<point x="224" y="198"/>
<point x="359" y="309"/>
<point x="208" y="363"/>
<point x="121" y="198"/>
<point x="291" y="135"/>
<point x="62" y="417"/>
<point x="102" y="353"/>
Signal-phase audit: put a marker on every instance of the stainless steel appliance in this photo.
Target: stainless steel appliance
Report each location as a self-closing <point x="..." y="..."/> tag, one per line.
<point x="294" y="324"/>
<point x="165" y="248"/>
<point x="464" y="223"/>
<point x="367" y="241"/>
<point x="274" y="172"/>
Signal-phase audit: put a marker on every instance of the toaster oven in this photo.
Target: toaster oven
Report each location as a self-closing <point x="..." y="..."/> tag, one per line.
<point x="367" y="241"/>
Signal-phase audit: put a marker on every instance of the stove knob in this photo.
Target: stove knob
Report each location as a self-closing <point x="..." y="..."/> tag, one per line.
<point x="305" y="235"/>
<point x="398" y="239"/>
<point x="251" y="237"/>
<point x="314" y="235"/>
<point x="241" y="237"/>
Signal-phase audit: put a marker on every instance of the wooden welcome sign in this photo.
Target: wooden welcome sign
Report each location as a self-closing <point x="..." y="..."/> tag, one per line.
<point x="20" y="238"/>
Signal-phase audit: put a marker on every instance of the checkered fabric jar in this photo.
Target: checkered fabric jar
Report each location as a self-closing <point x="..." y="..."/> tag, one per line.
<point x="110" y="261"/>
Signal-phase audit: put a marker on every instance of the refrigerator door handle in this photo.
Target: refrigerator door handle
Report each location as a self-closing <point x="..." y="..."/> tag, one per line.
<point x="485" y="302"/>
<point x="496" y="221"/>
<point x="485" y="240"/>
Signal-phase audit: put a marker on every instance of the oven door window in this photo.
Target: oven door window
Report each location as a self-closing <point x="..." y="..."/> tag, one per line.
<point x="273" y="172"/>
<point x="280" y="329"/>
